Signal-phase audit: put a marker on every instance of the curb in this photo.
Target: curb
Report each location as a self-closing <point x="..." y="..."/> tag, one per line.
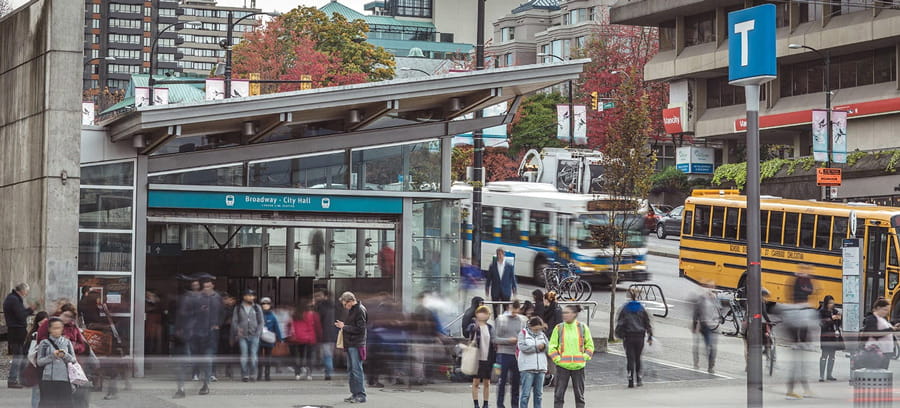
<point x="662" y="254"/>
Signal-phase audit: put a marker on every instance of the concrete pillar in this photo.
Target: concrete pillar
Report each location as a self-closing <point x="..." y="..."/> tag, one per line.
<point x="798" y="145"/>
<point x="40" y="133"/>
<point x="140" y="264"/>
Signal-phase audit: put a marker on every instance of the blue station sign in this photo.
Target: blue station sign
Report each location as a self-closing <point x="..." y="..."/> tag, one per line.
<point x="751" y="45"/>
<point x="207" y="200"/>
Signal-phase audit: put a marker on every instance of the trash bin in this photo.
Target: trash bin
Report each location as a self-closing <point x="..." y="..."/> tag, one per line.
<point x="872" y="388"/>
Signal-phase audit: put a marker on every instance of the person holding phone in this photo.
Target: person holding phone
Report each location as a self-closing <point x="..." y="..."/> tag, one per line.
<point x="830" y="338"/>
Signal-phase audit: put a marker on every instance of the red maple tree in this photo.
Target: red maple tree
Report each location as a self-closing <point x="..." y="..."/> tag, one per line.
<point x="498" y="165"/>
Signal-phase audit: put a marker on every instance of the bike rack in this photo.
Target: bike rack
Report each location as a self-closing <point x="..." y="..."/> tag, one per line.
<point x="650" y="292"/>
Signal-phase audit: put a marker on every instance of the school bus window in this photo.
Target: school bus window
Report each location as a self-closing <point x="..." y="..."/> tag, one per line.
<point x="791" y="221"/>
<point x="686" y="222"/>
<point x="731" y="221"/>
<point x="893" y="280"/>
<point x="823" y="231"/>
<point x="776" y="222"/>
<point x="539" y="229"/>
<point x="509" y="227"/>
<point x="838" y="233"/>
<point x="742" y="225"/>
<point x="701" y="221"/>
<point x="763" y="225"/>
<point x="892" y="260"/>
<point x="718" y="221"/>
<point x="487" y="223"/>
<point x="807" y="229"/>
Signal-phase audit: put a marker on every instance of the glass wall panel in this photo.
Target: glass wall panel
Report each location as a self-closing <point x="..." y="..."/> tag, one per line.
<point x="105" y="209"/>
<point x="221" y="176"/>
<point x="321" y="171"/>
<point x="114" y="291"/>
<point x="115" y="174"/>
<point x="436" y="251"/>
<point x="99" y="251"/>
<point x="407" y="167"/>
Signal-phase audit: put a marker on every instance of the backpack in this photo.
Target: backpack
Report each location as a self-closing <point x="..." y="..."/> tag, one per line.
<point x="629" y="322"/>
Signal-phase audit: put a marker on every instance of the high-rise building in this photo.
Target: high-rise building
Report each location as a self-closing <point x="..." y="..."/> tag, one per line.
<point x="123" y="30"/>
<point x="204" y="43"/>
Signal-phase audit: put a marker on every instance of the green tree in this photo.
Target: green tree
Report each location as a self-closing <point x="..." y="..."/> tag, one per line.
<point x="670" y="180"/>
<point x="628" y="166"/>
<point x="534" y="126"/>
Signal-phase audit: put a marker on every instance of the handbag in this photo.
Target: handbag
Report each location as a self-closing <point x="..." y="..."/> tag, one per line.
<point x="469" y="361"/>
<point x="76" y="373"/>
<point x="267" y="336"/>
<point x="281" y="350"/>
<point x="340" y="340"/>
<point x="30" y="376"/>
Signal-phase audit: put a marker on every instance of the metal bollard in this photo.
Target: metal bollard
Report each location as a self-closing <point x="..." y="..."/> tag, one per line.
<point x="872" y="388"/>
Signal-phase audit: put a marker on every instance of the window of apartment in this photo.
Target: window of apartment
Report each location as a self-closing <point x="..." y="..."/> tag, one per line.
<point x="509" y="60"/>
<point x="167" y="12"/>
<point x="809" y="12"/>
<point x="166" y="42"/>
<point x="125" y="54"/>
<point x="409" y="8"/>
<point x="95" y="54"/>
<point x="124" y="8"/>
<point x="95" y="23"/>
<point x="667" y="35"/>
<point x="117" y="83"/>
<point x="592" y="13"/>
<point x="95" y="39"/>
<point x="124" y="69"/>
<point x="580" y="42"/>
<point x="507" y="34"/>
<point x="187" y="11"/>
<point x="146" y="27"/>
<point x="124" y="23"/>
<point x="700" y="29"/>
<point x="123" y="39"/>
<point x="95" y="8"/>
<point x="165" y="57"/>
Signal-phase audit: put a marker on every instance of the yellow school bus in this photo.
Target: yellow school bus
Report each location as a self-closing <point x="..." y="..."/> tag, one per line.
<point x="793" y="233"/>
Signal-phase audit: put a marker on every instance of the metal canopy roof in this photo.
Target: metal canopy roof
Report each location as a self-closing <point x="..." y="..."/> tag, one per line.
<point x="384" y="112"/>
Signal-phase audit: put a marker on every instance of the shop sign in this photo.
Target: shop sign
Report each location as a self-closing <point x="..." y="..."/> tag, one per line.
<point x="207" y="200"/>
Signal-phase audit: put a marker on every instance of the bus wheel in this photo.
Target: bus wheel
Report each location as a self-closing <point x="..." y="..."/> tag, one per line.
<point x="540" y="264"/>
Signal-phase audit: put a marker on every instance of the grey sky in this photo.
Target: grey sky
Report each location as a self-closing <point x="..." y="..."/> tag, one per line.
<point x="269" y="5"/>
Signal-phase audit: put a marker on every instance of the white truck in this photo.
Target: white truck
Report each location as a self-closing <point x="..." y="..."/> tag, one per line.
<point x="569" y="170"/>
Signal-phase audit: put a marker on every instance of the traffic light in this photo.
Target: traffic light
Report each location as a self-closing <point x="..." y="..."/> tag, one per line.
<point x="595" y="100"/>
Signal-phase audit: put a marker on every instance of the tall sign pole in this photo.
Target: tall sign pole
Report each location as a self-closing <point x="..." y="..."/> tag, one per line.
<point x="478" y="148"/>
<point x="751" y="63"/>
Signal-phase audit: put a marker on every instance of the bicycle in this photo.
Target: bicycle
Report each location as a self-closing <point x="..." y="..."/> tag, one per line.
<point x="769" y="345"/>
<point x="566" y="282"/>
<point x="731" y="312"/>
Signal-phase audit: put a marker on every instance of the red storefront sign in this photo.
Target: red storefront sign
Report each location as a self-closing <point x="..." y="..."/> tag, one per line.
<point x="854" y="110"/>
<point x="672" y="120"/>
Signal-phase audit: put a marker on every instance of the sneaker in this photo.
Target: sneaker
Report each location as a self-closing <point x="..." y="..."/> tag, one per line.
<point x="351" y="400"/>
<point x="195" y="378"/>
<point x="308" y="377"/>
<point x="327" y="377"/>
<point x="245" y="379"/>
<point x="213" y="378"/>
<point x="110" y="397"/>
<point x="640" y="382"/>
<point x="377" y="385"/>
<point x="178" y="394"/>
<point x="362" y="400"/>
<point x="204" y="390"/>
<point x="831" y="379"/>
<point x="14" y="385"/>
<point x="793" y="396"/>
<point x="297" y="377"/>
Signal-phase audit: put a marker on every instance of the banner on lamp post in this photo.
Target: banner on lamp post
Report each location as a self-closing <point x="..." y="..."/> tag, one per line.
<point x="580" y="124"/>
<point x="240" y="88"/>
<point x="839" y="136"/>
<point x="87" y="113"/>
<point x="141" y="96"/>
<point x="215" y="89"/>
<point x="562" y="122"/>
<point x="160" y="96"/>
<point x="820" y="134"/>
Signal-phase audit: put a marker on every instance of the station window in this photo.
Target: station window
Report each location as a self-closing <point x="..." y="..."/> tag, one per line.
<point x="838" y="233"/>
<point x="823" y="231"/>
<point x="509" y="226"/>
<point x="327" y="171"/>
<point x="776" y="227"/>
<point x="791" y="223"/>
<point x="232" y="175"/>
<point x="701" y="220"/>
<point x="106" y="209"/>
<point x="539" y="229"/>
<point x="404" y="167"/>
<point x="807" y="224"/>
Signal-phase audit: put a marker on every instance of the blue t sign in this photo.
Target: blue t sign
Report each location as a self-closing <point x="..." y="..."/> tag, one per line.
<point x="751" y="45"/>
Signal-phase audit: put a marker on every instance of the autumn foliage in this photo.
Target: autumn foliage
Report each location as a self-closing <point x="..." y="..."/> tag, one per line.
<point x="498" y="165"/>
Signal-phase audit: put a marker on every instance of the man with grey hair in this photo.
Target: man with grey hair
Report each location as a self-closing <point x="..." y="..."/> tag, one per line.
<point x="354" y="338"/>
<point x="16" y="314"/>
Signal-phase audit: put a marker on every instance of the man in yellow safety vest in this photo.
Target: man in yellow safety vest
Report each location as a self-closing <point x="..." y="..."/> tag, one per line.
<point x="571" y="347"/>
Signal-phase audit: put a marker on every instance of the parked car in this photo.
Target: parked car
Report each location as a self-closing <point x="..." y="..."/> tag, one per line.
<point x="656" y="212"/>
<point x="670" y="223"/>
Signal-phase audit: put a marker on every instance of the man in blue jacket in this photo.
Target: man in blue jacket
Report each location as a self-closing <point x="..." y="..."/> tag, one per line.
<point x="500" y="282"/>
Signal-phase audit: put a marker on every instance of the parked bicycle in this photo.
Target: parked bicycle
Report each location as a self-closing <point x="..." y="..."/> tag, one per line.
<point x="565" y="281"/>
<point x="769" y="345"/>
<point x="732" y="311"/>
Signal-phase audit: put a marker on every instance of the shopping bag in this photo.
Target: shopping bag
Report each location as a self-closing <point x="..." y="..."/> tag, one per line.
<point x="469" y="360"/>
<point x="281" y="350"/>
<point x="99" y="341"/>
<point x="654" y="348"/>
<point x="76" y="374"/>
<point x="340" y="340"/>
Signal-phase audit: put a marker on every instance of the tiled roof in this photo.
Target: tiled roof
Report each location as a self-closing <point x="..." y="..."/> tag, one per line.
<point x="537" y="4"/>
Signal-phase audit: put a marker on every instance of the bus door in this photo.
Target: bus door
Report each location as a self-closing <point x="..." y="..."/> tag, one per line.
<point x="562" y="233"/>
<point x="876" y="256"/>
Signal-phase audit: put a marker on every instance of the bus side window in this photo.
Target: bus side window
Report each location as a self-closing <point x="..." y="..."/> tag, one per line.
<point x="860" y="228"/>
<point x="742" y="225"/>
<point x="776" y="222"/>
<point x="509" y="227"/>
<point x="892" y="259"/>
<point x="539" y="229"/>
<point x="718" y="222"/>
<point x="893" y="275"/>
<point x="487" y="224"/>
<point x="701" y="221"/>
<point x="838" y="233"/>
<point x="791" y="223"/>
<point x="687" y="222"/>
<point x="763" y="225"/>
<point x="731" y="221"/>
<point x="807" y="229"/>
<point x="823" y="231"/>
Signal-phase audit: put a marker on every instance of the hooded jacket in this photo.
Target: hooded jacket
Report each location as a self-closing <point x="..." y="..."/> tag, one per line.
<point x="55" y="368"/>
<point x="530" y="358"/>
<point x="469" y="316"/>
<point x="633" y="320"/>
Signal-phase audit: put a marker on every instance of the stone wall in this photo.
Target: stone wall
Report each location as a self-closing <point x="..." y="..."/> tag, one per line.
<point x="41" y="60"/>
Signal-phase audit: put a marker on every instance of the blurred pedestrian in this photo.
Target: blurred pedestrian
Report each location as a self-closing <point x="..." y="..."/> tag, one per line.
<point x="571" y="347"/>
<point x="226" y="350"/>
<point x="830" y="339"/>
<point x="16" y="314"/>
<point x="537" y="297"/>
<point x="353" y="333"/>
<point x="265" y="345"/>
<point x="528" y="309"/>
<point x="325" y="308"/>
<point x="246" y="326"/>
<point x="469" y="315"/>
<point x="797" y="317"/>
<point x="39" y="319"/>
<point x="552" y="316"/>
<point x="482" y="333"/>
<point x="500" y="282"/>
<point x="532" y="362"/>
<point x="306" y="329"/>
<point x="508" y="328"/>
<point x="879" y="333"/>
<point x="386" y="261"/>
<point x="208" y="310"/>
<point x="633" y="327"/>
<point x="704" y="318"/>
<point x="54" y="355"/>
<point x="183" y="331"/>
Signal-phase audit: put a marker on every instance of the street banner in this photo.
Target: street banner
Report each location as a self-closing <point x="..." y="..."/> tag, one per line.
<point x="240" y="88"/>
<point x="820" y="135"/>
<point x="839" y="136"/>
<point x="580" y="124"/>
<point x="215" y="89"/>
<point x="562" y="122"/>
<point x="160" y="96"/>
<point x="141" y="96"/>
<point x="87" y="113"/>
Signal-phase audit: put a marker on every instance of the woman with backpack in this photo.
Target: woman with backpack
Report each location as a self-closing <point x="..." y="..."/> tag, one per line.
<point x="306" y="329"/>
<point x="532" y="360"/>
<point x="633" y="326"/>
<point x="54" y="355"/>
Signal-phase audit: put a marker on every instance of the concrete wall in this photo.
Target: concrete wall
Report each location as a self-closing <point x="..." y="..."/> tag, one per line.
<point x="40" y="126"/>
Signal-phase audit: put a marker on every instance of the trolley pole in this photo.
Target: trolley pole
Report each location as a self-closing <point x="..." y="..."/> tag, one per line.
<point x="478" y="148"/>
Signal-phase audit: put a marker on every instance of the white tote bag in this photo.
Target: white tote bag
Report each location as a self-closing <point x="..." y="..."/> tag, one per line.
<point x="469" y="365"/>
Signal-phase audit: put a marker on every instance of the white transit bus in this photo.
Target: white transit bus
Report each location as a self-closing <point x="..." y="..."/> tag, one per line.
<point x="540" y="225"/>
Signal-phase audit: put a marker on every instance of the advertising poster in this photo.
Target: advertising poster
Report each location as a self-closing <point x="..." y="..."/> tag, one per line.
<point x="141" y="96"/>
<point x="240" y="88"/>
<point x="567" y="174"/>
<point x="839" y="136"/>
<point x="580" y="124"/>
<point x="160" y="96"/>
<point x="87" y="113"/>
<point x="562" y="122"/>
<point x="820" y="135"/>
<point x="215" y="89"/>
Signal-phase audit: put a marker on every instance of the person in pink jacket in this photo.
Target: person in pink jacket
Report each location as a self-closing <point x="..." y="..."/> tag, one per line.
<point x="305" y="332"/>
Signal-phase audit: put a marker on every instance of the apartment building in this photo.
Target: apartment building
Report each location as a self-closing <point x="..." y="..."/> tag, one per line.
<point x="203" y="43"/>
<point x="860" y="36"/>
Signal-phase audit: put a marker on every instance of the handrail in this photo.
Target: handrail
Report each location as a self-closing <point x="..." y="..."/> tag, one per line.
<point x="644" y="292"/>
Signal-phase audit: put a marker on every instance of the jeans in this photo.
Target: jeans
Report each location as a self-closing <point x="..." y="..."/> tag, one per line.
<point x="16" y="349"/>
<point x="634" y="346"/>
<point x="710" y="341"/>
<point x="562" y="384"/>
<point x="203" y="349"/>
<point x="509" y="367"/>
<point x="532" y="382"/>
<point x="355" y="369"/>
<point x="327" y="350"/>
<point x="249" y="360"/>
<point x="35" y="397"/>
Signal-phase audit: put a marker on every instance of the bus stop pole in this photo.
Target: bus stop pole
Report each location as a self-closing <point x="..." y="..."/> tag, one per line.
<point x="754" y="290"/>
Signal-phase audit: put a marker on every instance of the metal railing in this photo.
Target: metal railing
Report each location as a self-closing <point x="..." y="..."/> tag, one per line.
<point x="650" y="292"/>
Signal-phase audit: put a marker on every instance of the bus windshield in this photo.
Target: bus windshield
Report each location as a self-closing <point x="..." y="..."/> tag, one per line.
<point x="593" y="231"/>
<point x="896" y="223"/>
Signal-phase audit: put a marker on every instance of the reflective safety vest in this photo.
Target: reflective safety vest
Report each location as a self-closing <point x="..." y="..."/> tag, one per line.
<point x="571" y="345"/>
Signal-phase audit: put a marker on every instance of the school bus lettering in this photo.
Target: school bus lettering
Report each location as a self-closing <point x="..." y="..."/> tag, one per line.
<point x="737" y="248"/>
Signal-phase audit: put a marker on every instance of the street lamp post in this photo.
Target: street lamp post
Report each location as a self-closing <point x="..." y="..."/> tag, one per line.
<point x="88" y="62"/>
<point x="415" y="69"/>
<point x="826" y="56"/>
<point x="478" y="145"/>
<point x="229" y="42"/>
<point x="153" y="53"/>
<point x="571" y="98"/>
